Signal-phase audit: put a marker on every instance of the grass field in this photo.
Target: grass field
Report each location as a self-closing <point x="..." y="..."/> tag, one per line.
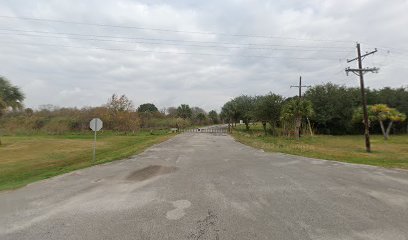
<point x="392" y="153"/>
<point x="25" y="159"/>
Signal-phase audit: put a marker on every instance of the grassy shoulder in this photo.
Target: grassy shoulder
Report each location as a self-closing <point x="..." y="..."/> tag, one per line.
<point x="392" y="153"/>
<point x="25" y="159"/>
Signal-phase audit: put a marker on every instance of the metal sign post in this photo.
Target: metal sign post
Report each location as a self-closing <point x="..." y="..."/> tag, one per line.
<point x="96" y="125"/>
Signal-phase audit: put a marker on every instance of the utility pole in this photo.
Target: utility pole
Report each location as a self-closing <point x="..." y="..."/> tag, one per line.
<point x="360" y="72"/>
<point x="300" y="87"/>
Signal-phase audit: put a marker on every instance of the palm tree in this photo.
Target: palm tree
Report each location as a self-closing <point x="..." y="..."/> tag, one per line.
<point x="184" y="111"/>
<point x="10" y="96"/>
<point x="294" y="110"/>
<point x="394" y="116"/>
<point x="382" y="113"/>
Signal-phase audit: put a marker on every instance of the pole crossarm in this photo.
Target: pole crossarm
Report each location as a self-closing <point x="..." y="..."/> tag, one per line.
<point x="362" y="70"/>
<point x="362" y="56"/>
<point x="300" y="86"/>
<point x="375" y="69"/>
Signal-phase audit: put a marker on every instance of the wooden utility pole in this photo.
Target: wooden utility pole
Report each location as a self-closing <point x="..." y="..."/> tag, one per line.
<point x="360" y="72"/>
<point x="300" y="87"/>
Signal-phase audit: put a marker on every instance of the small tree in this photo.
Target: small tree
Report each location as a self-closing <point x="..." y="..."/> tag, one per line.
<point x="147" y="107"/>
<point x="229" y="112"/>
<point x="198" y="115"/>
<point x="381" y="113"/>
<point x="394" y="116"/>
<point x="213" y="115"/>
<point x="333" y="107"/>
<point x="182" y="123"/>
<point x="119" y="104"/>
<point x="184" y="111"/>
<point x="294" y="110"/>
<point x="267" y="109"/>
<point x="119" y="109"/>
<point x="201" y="117"/>
<point x="244" y="105"/>
<point x="171" y="111"/>
<point x="146" y="112"/>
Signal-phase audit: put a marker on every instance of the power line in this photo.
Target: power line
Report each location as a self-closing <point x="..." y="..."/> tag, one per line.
<point x="177" y="44"/>
<point x="165" y="52"/>
<point x="169" y="30"/>
<point x="390" y="48"/>
<point x="167" y="40"/>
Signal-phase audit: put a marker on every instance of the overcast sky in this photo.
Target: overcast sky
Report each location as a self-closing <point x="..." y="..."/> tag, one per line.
<point x="198" y="52"/>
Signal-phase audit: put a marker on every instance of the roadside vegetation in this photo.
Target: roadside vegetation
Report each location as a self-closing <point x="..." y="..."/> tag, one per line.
<point x="326" y="123"/>
<point x="118" y="115"/>
<point x="392" y="153"/>
<point x="324" y="109"/>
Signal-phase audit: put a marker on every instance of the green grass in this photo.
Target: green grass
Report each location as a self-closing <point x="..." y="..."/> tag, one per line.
<point x="25" y="159"/>
<point x="392" y="153"/>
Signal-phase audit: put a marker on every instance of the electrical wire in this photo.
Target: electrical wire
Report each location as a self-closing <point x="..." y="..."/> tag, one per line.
<point x="165" y="52"/>
<point x="177" y="44"/>
<point x="167" y="30"/>
<point x="168" y="40"/>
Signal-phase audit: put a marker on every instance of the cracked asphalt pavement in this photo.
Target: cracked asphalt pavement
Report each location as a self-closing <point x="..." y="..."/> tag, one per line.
<point x="207" y="186"/>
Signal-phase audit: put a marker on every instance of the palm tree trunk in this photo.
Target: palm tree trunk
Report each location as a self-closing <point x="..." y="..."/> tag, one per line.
<point x="273" y="128"/>
<point x="382" y="129"/>
<point x="310" y="127"/>
<point x="298" y="122"/>
<point x="264" y="127"/>
<point x="407" y="126"/>
<point x="387" y="133"/>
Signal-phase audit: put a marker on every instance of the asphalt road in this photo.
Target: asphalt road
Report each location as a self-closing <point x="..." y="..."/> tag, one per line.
<point x="204" y="186"/>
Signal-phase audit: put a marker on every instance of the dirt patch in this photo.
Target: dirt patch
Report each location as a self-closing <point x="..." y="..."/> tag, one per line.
<point x="149" y="172"/>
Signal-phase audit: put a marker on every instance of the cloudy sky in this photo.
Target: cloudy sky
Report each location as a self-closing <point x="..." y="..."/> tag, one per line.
<point x="78" y="53"/>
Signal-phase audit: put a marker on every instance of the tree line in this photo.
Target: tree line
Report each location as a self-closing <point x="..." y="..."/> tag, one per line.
<point x="118" y="114"/>
<point x="325" y="109"/>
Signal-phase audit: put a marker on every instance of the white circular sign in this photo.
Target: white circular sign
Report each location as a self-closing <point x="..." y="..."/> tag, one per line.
<point x="96" y="124"/>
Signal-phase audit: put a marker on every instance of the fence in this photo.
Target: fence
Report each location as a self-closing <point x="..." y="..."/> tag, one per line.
<point x="204" y="130"/>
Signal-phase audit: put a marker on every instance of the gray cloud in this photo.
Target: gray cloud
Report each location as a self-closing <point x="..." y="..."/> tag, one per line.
<point x="85" y="73"/>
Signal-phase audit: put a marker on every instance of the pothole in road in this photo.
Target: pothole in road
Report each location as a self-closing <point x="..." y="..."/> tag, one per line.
<point x="149" y="172"/>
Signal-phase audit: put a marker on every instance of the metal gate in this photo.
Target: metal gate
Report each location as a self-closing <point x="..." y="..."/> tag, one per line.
<point x="205" y="130"/>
